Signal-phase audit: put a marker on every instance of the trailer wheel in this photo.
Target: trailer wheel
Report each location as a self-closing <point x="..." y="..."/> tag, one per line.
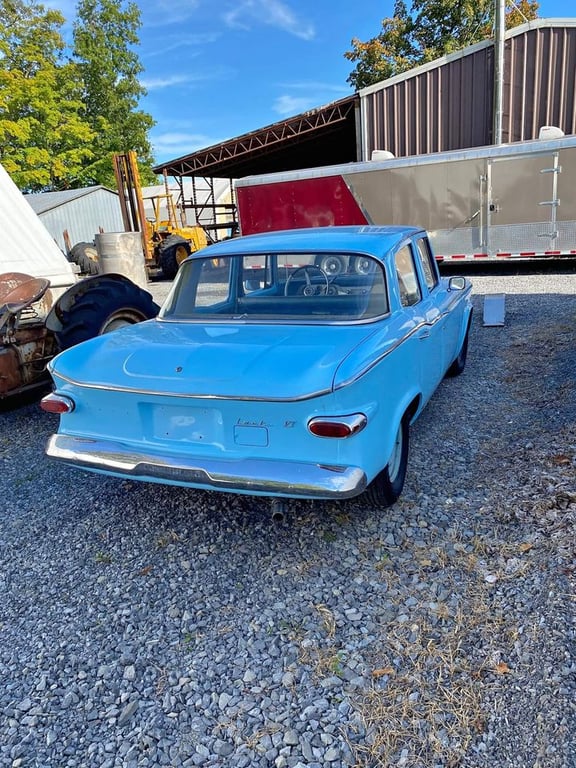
<point x="460" y="363"/>
<point x="387" y="486"/>
<point x="171" y="253"/>
<point x="86" y="256"/>
<point x="108" y="305"/>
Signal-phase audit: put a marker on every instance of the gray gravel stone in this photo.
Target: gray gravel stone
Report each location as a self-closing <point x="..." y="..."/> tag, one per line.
<point x="145" y="625"/>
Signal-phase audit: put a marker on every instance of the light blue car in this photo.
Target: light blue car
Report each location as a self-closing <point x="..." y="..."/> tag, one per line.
<point x="265" y="374"/>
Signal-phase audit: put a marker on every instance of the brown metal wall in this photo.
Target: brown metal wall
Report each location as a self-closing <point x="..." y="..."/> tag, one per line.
<point x="451" y="106"/>
<point x="540" y="82"/>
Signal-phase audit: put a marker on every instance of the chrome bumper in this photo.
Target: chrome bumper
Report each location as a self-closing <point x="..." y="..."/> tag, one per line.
<point x="258" y="476"/>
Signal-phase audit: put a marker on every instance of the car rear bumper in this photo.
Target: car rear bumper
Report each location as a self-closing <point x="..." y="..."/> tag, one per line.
<point x="256" y="476"/>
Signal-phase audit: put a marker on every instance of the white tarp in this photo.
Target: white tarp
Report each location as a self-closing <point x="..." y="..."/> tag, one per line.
<point x="25" y="244"/>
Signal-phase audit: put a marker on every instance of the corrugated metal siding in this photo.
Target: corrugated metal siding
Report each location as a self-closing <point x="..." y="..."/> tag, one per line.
<point x="540" y="82"/>
<point x="448" y="104"/>
<point x="83" y="217"/>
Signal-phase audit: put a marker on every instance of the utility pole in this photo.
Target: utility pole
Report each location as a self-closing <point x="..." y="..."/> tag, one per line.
<point x="499" y="33"/>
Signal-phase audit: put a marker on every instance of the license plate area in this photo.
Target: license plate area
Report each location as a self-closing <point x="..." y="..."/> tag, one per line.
<point x="185" y="424"/>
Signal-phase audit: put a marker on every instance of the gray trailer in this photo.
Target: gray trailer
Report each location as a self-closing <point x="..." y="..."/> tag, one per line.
<point x="513" y="201"/>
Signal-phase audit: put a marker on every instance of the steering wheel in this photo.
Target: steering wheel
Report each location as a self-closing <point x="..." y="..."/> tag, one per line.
<point x="309" y="289"/>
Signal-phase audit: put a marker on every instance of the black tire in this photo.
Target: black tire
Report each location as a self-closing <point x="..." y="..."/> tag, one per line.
<point x="171" y="253"/>
<point x="86" y="256"/>
<point x="460" y="363"/>
<point x="387" y="486"/>
<point x="109" y="305"/>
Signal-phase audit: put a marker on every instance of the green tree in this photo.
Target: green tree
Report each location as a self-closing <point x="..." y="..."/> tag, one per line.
<point x="44" y="141"/>
<point x="432" y="28"/>
<point x="105" y="35"/>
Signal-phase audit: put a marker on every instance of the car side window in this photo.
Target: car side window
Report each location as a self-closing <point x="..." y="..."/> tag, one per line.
<point x="427" y="261"/>
<point x="410" y="292"/>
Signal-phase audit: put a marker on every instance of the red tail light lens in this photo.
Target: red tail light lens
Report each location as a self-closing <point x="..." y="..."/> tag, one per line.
<point x="337" y="426"/>
<point x="53" y="403"/>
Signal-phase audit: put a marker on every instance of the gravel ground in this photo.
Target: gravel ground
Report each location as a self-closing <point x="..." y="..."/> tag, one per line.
<point x="142" y="625"/>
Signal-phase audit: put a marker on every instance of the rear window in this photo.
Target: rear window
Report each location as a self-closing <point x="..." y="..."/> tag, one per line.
<point x="298" y="287"/>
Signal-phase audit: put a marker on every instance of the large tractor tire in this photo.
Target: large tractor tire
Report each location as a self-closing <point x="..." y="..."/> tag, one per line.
<point x="171" y="253"/>
<point x="86" y="256"/>
<point x="104" y="304"/>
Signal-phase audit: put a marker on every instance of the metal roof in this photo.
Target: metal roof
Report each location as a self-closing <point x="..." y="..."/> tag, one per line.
<point x="324" y="135"/>
<point x="46" y="201"/>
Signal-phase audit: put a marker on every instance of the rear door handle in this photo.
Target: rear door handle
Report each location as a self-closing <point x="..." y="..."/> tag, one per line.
<point x="424" y="334"/>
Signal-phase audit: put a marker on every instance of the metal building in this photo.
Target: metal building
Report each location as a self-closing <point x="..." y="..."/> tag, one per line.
<point x="444" y="105"/>
<point x="82" y="213"/>
<point x="448" y="103"/>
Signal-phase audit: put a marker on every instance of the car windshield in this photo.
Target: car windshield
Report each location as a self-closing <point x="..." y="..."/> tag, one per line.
<point x="297" y="287"/>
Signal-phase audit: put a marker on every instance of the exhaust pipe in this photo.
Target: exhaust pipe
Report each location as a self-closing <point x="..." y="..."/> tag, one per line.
<point x="278" y="510"/>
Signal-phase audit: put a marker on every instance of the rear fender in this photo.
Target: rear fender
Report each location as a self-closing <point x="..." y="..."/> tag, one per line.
<point x="409" y="407"/>
<point x="466" y="323"/>
<point x="71" y="296"/>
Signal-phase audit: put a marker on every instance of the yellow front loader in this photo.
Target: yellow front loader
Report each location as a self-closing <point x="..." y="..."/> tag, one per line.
<point x="166" y="238"/>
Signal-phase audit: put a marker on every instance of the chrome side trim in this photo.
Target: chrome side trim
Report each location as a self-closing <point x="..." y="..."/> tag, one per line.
<point x="274" y="478"/>
<point x="400" y="341"/>
<point x="387" y="352"/>
<point x="189" y="395"/>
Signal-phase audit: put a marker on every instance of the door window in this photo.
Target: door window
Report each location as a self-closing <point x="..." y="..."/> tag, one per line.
<point x="427" y="261"/>
<point x="410" y="292"/>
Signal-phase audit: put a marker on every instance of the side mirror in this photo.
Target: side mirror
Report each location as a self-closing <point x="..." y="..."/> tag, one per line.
<point x="457" y="284"/>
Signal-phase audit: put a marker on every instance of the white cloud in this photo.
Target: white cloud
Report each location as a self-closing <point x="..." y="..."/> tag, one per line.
<point x="154" y="83"/>
<point x="167" y="81"/>
<point x="274" y="13"/>
<point x="315" y="95"/>
<point x="293" y="105"/>
<point x="170" y="12"/>
<point x="190" y="42"/>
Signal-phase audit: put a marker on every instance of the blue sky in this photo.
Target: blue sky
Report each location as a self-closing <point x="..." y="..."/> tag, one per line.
<point x="216" y="70"/>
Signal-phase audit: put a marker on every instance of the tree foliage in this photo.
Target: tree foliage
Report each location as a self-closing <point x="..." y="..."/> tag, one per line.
<point x="62" y="117"/>
<point x="432" y="28"/>
<point x="43" y="140"/>
<point x="105" y="34"/>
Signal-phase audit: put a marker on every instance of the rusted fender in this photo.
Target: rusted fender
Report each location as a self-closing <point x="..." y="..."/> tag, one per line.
<point x="18" y="290"/>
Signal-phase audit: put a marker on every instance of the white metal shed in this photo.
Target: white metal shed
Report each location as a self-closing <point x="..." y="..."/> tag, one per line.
<point x="83" y="213"/>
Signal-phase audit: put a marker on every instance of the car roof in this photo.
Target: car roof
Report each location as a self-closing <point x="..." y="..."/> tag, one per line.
<point x="366" y="239"/>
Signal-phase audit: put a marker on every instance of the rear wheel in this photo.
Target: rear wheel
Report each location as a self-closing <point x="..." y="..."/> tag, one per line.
<point x="387" y="486"/>
<point x="107" y="306"/>
<point x="460" y="363"/>
<point x="171" y="253"/>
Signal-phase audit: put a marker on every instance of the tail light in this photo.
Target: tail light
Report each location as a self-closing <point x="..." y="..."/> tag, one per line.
<point x="53" y="403"/>
<point x="337" y="426"/>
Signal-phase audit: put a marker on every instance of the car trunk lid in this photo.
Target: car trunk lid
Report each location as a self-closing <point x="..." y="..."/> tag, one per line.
<point x="272" y="362"/>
